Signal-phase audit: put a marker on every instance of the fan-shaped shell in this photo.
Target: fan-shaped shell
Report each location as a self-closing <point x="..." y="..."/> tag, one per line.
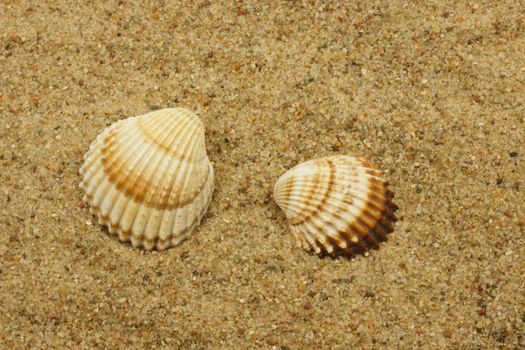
<point x="148" y="178"/>
<point x="337" y="205"/>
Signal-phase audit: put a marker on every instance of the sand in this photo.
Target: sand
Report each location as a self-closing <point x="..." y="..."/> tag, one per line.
<point x="430" y="91"/>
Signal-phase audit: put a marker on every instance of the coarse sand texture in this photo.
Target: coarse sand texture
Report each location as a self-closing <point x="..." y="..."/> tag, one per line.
<point x="432" y="92"/>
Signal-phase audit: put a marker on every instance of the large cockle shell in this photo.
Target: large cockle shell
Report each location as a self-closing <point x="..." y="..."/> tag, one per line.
<point x="337" y="205"/>
<point x="148" y="178"/>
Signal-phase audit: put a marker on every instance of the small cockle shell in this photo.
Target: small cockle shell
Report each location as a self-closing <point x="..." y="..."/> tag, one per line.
<point x="337" y="205"/>
<point x="148" y="178"/>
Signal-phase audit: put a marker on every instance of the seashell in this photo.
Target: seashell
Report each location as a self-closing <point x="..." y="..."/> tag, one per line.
<point x="148" y="178"/>
<point x="337" y="205"/>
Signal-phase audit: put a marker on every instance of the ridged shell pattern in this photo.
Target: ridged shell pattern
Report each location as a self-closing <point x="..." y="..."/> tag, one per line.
<point x="148" y="178"/>
<point x="338" y="205"/>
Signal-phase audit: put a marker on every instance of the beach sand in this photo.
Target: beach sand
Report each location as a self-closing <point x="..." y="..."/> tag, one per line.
<point x="433" y="92"/>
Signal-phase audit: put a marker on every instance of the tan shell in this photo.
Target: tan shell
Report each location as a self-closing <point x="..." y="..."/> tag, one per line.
<point x="337" y="205"/>
<point x="148" y="178"/>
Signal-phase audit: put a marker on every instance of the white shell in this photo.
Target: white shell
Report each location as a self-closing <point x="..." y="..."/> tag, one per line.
<point x="148" y="178"/>
<point x="337" y="205"/>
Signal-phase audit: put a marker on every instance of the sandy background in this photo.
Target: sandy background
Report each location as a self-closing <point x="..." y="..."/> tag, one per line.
<point x="432" y="92"/>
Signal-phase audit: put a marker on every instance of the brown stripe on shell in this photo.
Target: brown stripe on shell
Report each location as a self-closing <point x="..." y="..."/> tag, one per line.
<point x="155" y="141"/>
<point x="124" y="234"/>
<point x="175" y="196"/>
<point x="354" y="245"/>
<point x="380" y="232"/>
<point x="137" y="187"/>
<point x="333" y="243"/>
<point x="371" y="226"/>
<point x="310" y="195"/>
<point x="361" y="232"/>
<point x="110" y="167"/>
<point x="287" y="189"/>
<point x="331" y="180"/>
<point x="390" y="207"/>
<point x="365" y="241"/>
<point x="369" y="239"/>
<point x="371" y="213"/>
<point x="377" y="187"/>
<point x="367" y="164"/>
<point x="109" y="141"/>
<point x="384" y="224"/>
<point x="365" y="220"/>
<point x="374" y="172"/>
<point x="142" y="126"/>
<point x="378" y="200"/>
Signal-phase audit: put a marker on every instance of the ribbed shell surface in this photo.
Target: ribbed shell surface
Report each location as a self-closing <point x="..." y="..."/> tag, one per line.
<point x="148" y="178"/>
<point x="337" y="205"/>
